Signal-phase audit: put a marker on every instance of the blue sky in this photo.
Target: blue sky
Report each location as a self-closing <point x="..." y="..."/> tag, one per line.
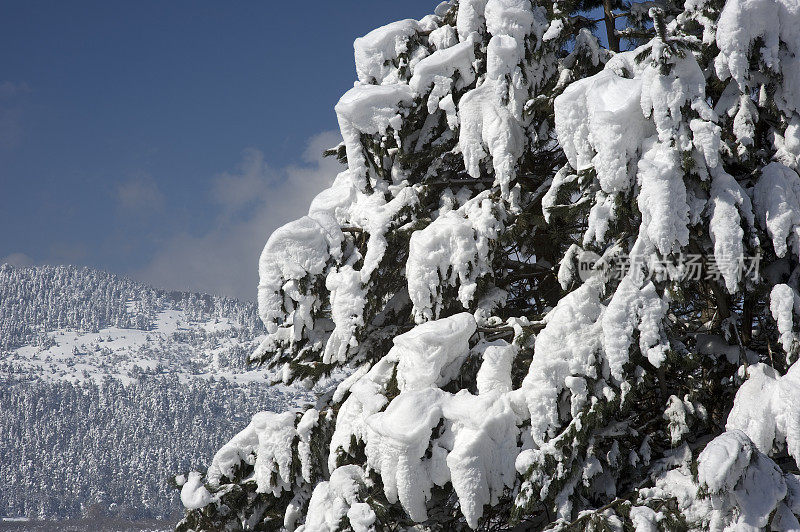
<point x="165" y="140"/>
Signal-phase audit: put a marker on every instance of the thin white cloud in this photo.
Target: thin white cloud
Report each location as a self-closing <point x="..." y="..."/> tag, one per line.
<point x="140" y="195"/>
<point x="234" y="191"/>
<point x="254" y="200"/>
<point x="19" y="260"/>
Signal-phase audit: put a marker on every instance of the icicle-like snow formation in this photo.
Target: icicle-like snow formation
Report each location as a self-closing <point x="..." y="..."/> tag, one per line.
<point x="454" y="251"/>
<point x="776" y="198"/>
<point x="774" y="24"/>
<point x="490" y="115"/>
<point x="484" y="445"/>
<point x="627" y="122"/>
<point x="476" y="447"/>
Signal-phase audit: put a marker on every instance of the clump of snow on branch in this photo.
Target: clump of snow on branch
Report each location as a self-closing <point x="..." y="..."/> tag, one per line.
<point x="491" y="114"/>
<point x="338" y="497"/>
<point x="436" y="72"/>
<point x="662" y="197"/>
<point x="774" y="24"/>
<point x="375" y="52"/>
<point x="767" y="408"/>
<point x="469" y="20"/>
<point x="776" y="198"/>
<point x="368" y="109"/>
<point x="566" y="354"/>
<point x="193" y="493"/>
<point x="729" y="205"/>
<point x="296" y="252"/>
<point x="265" y="444"/>
<point x="784" y="303"/>
<point x="600" y="124"/>
<point x="635" y="305"/>
<point x="430" y="354"/>
<point x="489" y="128"/>
<point x="475" y="448"/>
<point x="454" y="251"/>
<point x="744" y="484"/>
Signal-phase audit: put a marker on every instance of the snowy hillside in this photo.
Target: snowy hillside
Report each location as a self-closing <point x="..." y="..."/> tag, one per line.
<point x="68" y="323"/>
<point x="175" y="344"/>
<point x="95" y="367"/>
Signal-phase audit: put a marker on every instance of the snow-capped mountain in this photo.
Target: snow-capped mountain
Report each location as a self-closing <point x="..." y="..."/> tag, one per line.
<point x="96" y="367"/>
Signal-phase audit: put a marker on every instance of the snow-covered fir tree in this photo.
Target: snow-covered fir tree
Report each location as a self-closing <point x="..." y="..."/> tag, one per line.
<point x="561" y="280"/>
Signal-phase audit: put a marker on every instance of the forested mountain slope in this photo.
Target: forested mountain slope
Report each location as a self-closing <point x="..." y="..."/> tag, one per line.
<point x="108" y="388"/>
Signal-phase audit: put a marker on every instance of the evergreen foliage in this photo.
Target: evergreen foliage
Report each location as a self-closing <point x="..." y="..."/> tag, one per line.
<point x="495" y="149"/>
